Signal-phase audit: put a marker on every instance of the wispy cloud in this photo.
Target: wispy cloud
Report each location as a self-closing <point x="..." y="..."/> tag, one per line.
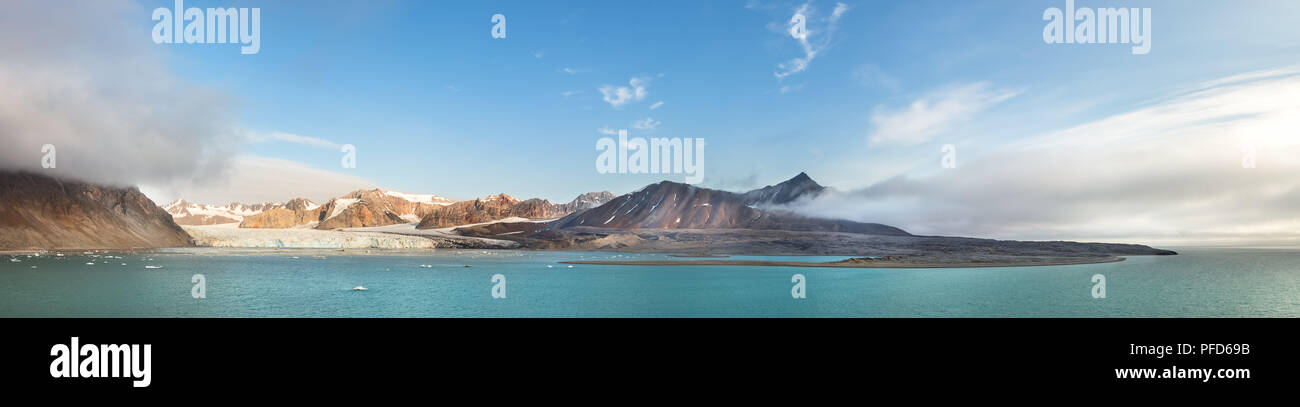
<point x="617" y="96"/>
<point x="646" y="124"/>
<point x="574" y="71"/>
<point x="607" y="131"/>
<point x="870" y="75"/>
<point x="1169" y="172"/>
<point x="291" y="138"/>
<point x="840" y="9"/>
<point x="813" y="35"/>
<point x="248" y="181"/>
<point x="656" y="105"/>
<point x="934" y="113"/>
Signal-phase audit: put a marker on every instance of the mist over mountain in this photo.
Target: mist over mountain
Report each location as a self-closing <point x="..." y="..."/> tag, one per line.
<point x="800" y="187"/>
<point x="672" y="205"/>
<point x="43" y="212"/>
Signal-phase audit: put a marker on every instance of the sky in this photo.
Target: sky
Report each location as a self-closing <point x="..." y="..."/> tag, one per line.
<point x="1051" y="141"/>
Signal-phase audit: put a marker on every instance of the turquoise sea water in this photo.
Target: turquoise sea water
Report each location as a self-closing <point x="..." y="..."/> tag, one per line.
<point x="1197" y="283"/>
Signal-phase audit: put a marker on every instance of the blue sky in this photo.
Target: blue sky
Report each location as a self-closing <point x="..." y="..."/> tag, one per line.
<point x="435" y="105"/>
<point x="429" y="98"/>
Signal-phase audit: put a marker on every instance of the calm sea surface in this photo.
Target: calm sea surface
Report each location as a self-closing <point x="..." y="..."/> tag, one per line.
<point x="1204" y="282"/>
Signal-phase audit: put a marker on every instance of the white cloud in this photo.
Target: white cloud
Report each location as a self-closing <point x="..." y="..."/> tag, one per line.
<point x="79" y="78"/>
<point x="96" y="88"/>
<point x="574" y="71"/>
<point x="291" y="138"/>
<point x="935" y="113"/>
<point x="617" y="96"/>
<point x="814" y="39"/>
<point x="607" y="131"/>
<point x="656" y="105"/>
<point x="261" y="179"/>
<point x="646" y="124"/>
<point x="840" y="9"/>
<point x="1170" y="172"/>
<point x="873" y="76"/>
<point x="790" y="88"/>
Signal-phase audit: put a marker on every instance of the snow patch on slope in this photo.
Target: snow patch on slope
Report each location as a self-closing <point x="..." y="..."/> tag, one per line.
<point x="420" y="198"/>
<point x="339" y="205"/>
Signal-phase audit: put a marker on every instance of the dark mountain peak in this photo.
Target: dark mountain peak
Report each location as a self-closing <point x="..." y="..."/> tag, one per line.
<point x="793" y="189"/>
<point x="802" y="180"/>
<point x="674" y="205"/>
<point x="588" y="200"/>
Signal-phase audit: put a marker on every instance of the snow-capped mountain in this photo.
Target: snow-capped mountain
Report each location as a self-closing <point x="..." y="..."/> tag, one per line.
<point x="361" y="208"/>
<point x="502" y="206"/>
<point x="588" y="200"/>
<point x="189" y="213"/>
<point x="379" y="207"/>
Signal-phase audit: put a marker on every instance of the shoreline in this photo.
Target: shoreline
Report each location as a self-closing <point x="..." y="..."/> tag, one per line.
<point x="874" y="264"/>
<point x="1028" y="261"/>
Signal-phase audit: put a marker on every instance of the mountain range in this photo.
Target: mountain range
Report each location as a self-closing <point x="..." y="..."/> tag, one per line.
<point x="378" y="207"/>
<point x="189" y="213"/>
<point x="38" y="211"/>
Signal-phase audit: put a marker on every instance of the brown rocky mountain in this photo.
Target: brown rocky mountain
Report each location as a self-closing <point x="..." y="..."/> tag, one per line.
<point x="485" y="209"/>
<point x="192" y="214"/>
<point x="671" y="205"/>
<point x="294" y="213"/>
<point x="41" y="212"/>
<point x="362" y="208"/>
<point x="377" y="207"/>
<point x="498" y="207"/>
